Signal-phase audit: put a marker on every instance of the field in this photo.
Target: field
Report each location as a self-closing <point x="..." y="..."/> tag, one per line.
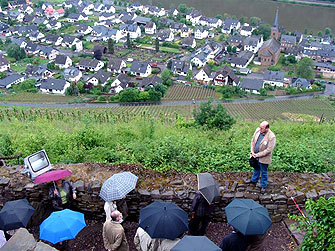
<point x="291" y="110"/>
<point x="35" y="98"/>
<point x="181" y="92"/>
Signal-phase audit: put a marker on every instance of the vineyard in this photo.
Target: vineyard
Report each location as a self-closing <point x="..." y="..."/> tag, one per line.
<point x="182" y="92"/>
<point x="282" y="109"/>
<point x="294" y="110"/>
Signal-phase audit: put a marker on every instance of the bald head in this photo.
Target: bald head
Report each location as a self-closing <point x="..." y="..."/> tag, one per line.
<point x="264" y="127"/>
<point x="116" y="215"/>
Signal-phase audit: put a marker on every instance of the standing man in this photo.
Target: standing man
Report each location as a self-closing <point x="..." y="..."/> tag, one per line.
<point x="201" y="211"/>
<point x="262" y="145"/>
<point x="113" y="234"/>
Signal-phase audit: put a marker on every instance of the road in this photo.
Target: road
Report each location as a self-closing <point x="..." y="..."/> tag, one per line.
<point x="168" y="103"/>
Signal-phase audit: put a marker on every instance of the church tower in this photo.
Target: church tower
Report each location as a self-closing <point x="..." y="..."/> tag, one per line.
<point x="275" y="28"/>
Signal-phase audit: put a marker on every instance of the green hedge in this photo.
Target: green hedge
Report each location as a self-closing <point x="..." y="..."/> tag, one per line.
<point x="301" y="147"/>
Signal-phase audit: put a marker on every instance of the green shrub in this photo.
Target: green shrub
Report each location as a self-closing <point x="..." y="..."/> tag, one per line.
<point x="320" y="228"/>
<point x="213" y="117"/>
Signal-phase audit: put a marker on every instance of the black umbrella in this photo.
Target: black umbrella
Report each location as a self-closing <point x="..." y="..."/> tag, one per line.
<point x="15" y="214"/>
<point x="208" y="187"/>
<point x="163" y="220"/>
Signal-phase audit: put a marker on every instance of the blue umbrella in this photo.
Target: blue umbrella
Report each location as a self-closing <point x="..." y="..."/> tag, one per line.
<point x="248" y="217"/>
<point x="195" y="243"/>
<point x="62" y="225"/>
<point x="118" y="186"/>
<point x="163" y="220"/>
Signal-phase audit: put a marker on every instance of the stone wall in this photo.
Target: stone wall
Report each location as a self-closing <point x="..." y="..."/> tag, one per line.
<point x="177" y="187"/>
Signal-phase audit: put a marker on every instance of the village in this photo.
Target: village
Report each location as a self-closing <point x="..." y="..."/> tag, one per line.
<point x="108" y="47"/>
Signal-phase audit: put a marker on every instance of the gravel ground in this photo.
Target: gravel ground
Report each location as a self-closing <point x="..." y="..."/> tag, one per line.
<point x="90" y="238"/>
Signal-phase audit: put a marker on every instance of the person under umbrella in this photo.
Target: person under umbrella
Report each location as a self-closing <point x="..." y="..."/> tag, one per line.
<point x="62" y="194"/>
<point x="234" y="242"/>
<point x="195" y="243"/>
<point x="202" y="205"/>
<point x="15" y="214"/>
<point x="61" y="226"/>
<point x="114" y="191"/>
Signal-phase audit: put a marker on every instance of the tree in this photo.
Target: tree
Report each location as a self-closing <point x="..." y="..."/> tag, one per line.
<point x="229" y="48"/>
<point x="243" y="20"/>
<point x="80" y="86"/>
<point x="161" y="88"/>
<point x="73" y="48"/>
<point x="213" y="117"/>
<point x="328" y="31"/>
<point x="129" y="95"/>
<point x="320" y="34"/>
<point x="182" y="8"/>
<point x="3" y="74"/>
<point x="26" y="85"/>
<point x="189" y="75"/>
<point x="234" y="49"/>
<point x="219" y="16"/>
<point x="166" y="75"/>
<point x="144" y="96"/>
<point x="254" y="21"/>
<point x="72" y="90"/>
<point x="305" y="31"/>
<point x="263" y="29"/>
<point x="4" y="3"/>
<point x="110" y="46"/>
<point x="169" y="64"/>
<point x="154" y="95"/>
<point x="262" y="92"/>
<point x="128" y="41"/>
<point x="14" y="51"/>
<point x="97" y="54"/>
<point x="157" y="45"/>
<point x="305" y="68"/>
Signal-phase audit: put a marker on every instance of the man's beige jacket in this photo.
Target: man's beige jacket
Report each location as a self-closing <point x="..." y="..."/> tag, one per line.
<point x="266" y="147"/>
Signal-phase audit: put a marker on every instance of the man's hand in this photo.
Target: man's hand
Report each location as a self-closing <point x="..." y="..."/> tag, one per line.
<point x="74" y="196"/>
<point x="193" y="215"/>
<point x="55" y="192"/>
<point x="254" y="155"/>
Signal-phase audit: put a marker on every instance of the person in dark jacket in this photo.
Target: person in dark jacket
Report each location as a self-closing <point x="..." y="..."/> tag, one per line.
<point x="234" y="242"/>
<point x="62" y="194"/>
<point x="200" y="217"/>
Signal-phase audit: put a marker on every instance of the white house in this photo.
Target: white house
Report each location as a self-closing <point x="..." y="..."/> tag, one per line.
<point x="251" y="85"/>
<point x="120" y="83"/>
<point x="150" y="28"/>
<point x="200" y="33"/>
<point x="253" y="43"/>
<point x="4" y="63"/>
<point x="179" y="67"/>
<point x="142" y="69"/>
<point x="90" y="64"/>
<point x="55" y="86"/>
<point x="8" y="81"/>
<point x="63" y="61"/>
<point x="165" y="35"/>
<point x="204" y="75"/>
<point x="229" y="25"/>
<point x="133" y="30"/>
<point x="84" y="29"/>
<point x="100" y="77"/>
<point x="246" y="30"/>
<point x="194" y="16"/>
<point x="70" y="41"/>
<point x="274" y="78"/>
<point x="116" y="65"/>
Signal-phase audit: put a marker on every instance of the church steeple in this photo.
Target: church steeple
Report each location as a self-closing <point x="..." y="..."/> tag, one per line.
<point x="275" y="24"/>
<point x="275" y="28"/>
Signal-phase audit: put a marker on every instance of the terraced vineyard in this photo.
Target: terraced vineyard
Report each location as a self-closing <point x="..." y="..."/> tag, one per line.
<point x="182" y="92"/>
<point x="296" y="110"/>
<point x="282" y="109"/>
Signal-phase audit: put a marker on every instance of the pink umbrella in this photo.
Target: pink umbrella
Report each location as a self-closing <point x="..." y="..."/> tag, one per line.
<point x="52" y="176"/>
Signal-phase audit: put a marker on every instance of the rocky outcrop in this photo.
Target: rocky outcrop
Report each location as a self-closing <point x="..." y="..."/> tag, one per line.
<point x="22" y="240"/>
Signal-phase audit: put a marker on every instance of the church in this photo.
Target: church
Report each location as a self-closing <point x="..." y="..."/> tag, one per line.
<point x="269" y="53"/>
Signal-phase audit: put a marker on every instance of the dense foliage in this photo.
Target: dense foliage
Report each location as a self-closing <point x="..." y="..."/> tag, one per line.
<point x="320" y="228"/>
<point x="85" y="137"/>
<point x="213" y="117"/>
